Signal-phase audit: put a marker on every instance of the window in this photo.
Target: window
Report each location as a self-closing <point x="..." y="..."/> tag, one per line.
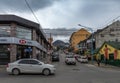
<point x="28" y="62"/>
<point x="111" y="30"/>
<point x="112" y="34"/>
<point x="5" y="31"/>
<point x="22" y="32"/>
<point x="24" y="62"/>
<point x="33" y="62"/>
<point x="101" y="35"/>
<point x="111" y="56"/>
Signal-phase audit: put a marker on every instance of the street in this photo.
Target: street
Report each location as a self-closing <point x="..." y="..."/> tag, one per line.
<point x="80" y="73"/>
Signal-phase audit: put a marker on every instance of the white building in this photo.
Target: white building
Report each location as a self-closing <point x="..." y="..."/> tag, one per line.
<point x="109" y="33"/>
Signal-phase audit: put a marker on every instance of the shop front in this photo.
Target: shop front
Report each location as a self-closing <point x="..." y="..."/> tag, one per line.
<point x="4" y="54"/>
<point x="12" y="49"/>
<point x="24" y="52"/>
<point x="20" y="38"/>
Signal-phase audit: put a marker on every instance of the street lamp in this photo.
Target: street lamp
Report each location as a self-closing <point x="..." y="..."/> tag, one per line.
<point x="89" y="28"/>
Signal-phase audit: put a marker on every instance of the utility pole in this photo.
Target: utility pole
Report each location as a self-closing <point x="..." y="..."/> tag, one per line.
<point x="50" y="48"/>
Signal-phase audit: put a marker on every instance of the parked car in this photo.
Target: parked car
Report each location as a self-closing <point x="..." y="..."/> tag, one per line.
<point x="70" y="59"/>
<point x="55" y="57"/>
<point x="30" y="66"/>
<point x="83" y="59"/>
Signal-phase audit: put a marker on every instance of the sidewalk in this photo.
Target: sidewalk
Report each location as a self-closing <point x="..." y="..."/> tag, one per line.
<point x="2" y="68"/>
<point x="102" y="65"/>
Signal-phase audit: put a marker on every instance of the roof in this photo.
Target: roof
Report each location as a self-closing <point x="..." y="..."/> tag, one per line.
<point x="114" y="44"/>
<point x="72" y="36"/>
<point x="96" y="50"/>
<point x="6" y="19"/>
<point x="82" y="29"/>
<point x="19" y="20"/>
<point x="100" y="30"/>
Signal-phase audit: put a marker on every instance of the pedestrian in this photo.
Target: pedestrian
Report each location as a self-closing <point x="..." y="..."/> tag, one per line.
<point x="76" y="57"/>
<point x="98" y="59"/>
<point x="98" y="62"/>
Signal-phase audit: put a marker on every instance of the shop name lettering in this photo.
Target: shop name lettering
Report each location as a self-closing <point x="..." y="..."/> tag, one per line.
<point x="29" y="42"/>
<point x="3" y="39"/>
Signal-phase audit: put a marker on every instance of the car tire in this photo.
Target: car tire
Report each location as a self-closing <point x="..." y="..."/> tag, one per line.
<point x="15" y="71"/>
<point x="46" y="72"/>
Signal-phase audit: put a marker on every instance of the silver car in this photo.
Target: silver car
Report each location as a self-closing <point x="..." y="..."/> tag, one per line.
<point x="30" y="66"/>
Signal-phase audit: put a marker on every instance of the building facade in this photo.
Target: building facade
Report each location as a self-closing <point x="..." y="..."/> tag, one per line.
<point x="109" y="33"/>
<point x="109" y="53"/>
<point x="21" y="38"/>
<point x="78" y="36"/>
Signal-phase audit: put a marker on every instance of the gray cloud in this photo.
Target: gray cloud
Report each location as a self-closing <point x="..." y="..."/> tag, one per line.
<point x="60" y="32"/>
<point x="20" y="5"/>
<point x="97" y="7"/>
<point x="65" y="13"/>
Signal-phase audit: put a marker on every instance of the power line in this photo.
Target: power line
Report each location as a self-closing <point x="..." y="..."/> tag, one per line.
<point x="34" y="16"/>
<point x="110" y="22"/>
<point x="32" y="11"/>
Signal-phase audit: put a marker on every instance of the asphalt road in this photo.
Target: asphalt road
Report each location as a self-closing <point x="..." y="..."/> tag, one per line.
<point x="81" y="73"/>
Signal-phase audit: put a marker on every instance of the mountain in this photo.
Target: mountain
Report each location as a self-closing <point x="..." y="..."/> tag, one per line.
<point x="59" y="43"/>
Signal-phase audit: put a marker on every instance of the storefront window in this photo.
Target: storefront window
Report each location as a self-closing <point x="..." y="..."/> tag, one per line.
<point x="4" y="31"/>
<point x="22" y="32"/>
<point x="24" y="52"/>
<point x="4" y="54"/>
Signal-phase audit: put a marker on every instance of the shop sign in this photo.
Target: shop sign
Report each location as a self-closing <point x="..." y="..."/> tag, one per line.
<point x="3" y="40"/>
<point x="22" y="41"/>
<point x="29" y="49"/>
<point x="13" y="40"/>
<point x="29" y="42"/>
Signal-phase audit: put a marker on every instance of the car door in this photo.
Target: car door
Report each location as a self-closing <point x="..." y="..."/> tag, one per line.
<point x="36" y="66"/>
<point x="24" y="66"/>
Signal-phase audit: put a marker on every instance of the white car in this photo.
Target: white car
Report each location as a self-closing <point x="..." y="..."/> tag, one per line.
<point x="30" y="66"/>
<point x="70" y="59"/>
<point x="83" y="59"/>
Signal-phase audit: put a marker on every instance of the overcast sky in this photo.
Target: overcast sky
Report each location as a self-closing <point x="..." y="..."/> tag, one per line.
<point x="65" y="13"/>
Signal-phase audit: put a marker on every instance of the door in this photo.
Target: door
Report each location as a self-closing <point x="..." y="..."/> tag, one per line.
<point x="25" y="66"/>
<point x="36" y="66"/>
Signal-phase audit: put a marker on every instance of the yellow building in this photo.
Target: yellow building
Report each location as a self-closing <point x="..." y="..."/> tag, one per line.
<point x="109" y="50"/>
<point x="78" y="36"/>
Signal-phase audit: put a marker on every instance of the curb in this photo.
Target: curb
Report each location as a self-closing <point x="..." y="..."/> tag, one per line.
<point x="106" y="66"/>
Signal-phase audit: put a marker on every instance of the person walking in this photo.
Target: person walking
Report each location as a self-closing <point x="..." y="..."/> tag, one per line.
<point x="98" y="62"/>
<point x="98" y="59"/>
